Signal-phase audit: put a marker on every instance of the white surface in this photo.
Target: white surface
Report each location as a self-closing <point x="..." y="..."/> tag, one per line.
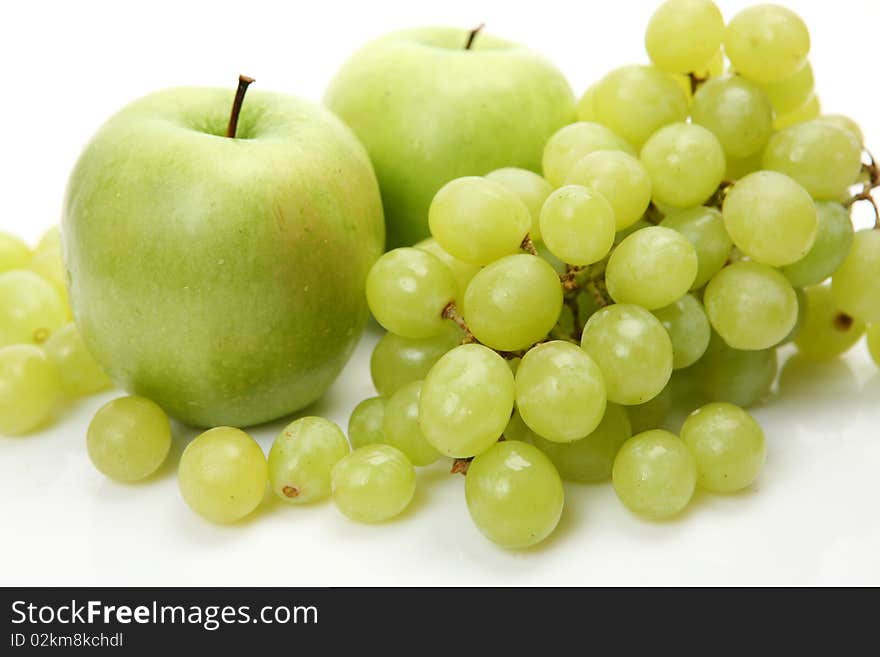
<point x="811" y="519"/>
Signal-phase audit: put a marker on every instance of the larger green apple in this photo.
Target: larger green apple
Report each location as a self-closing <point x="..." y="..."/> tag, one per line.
<point x="428" y="110"/>
<point x="222" y="277"/>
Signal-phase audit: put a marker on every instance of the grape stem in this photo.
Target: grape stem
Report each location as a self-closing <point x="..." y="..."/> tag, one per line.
<point x="473" y="35"/>
<point x="569" y="278"/>
<point x="696" y="81"/>
<point x="528" y="245"/>
<point x="872" y="180"/>
<point x="653" y="215"/>
<point x="717" y="199"/>
<point x="450" y="311"/>
<point x="460" y="466"/>
<point x="243" y="83"/>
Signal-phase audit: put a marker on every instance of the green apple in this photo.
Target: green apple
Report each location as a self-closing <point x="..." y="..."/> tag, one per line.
<point x="222" y="277"/>
<point x="429" y="110"/>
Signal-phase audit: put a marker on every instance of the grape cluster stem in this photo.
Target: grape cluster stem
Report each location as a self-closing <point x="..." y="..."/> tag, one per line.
<point x="871" y="171"/>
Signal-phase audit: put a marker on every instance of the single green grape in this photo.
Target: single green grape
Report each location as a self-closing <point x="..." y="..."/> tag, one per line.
<point x="514" y="494"/>
<point x="636" y="101"/>
<point x="704" y="229"/>
<point x="585" y="110"/>
<point x="374" y="483"/>
<point x="685" y="163"/>
<point x="302" y="457"/>
<point x="750" y="305"/>
<point x="29" y="388"/>
<point x="48" y="263"/>
<point x="688" y="327"/>
<point x="531" y="188"/>
<point x="223" y="474"/>
<point x="401" y="426"/>
<point x="14" y="253"/>
<point x="653" y="413"/>
<point x="873" y="334"/>
<point x="517" y="429"/>
<point x="572" y="142"/>
<point x="407" y="291"/>
<point x="560" y="393"/>
<point x="827" y="331"/>
<point x="590" y="458"/>
<point x="30" y="308"/>
<point x="80" y="373"/>
<point x="811" y="109"/>
<point x="737" y="112"/>
<point x="397" y="361"/>
<point x="365" y="426"/>
<point x="633" y="352"/>
<point x="683" y="35"/>
<point x="466" y="401"/>
<point x="834" y="238"/>
<point x="462" y="271"/>
<point x="620" y="178"/>
<point x="728" y="446"/>
<point x="129" y="438"/>
<point x="790" y="93"/>
<point x="771" y="218"/>
<point x="513" y="302"/>
<point x="767" y="43"/>
<point x="736" y="376"/>
<point x="823" y="158"/>
<point x="845" y="123"/>
<point x="654" y="474"/>
<point x="478" y="220"/>
<point x="651" y="268"/>
<point x="856" y="284"/>
<point x="578" y="224"/>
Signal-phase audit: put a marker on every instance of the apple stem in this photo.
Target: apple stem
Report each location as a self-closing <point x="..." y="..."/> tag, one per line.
<point x="243" y="83"/>
<point x="473" y="35"/>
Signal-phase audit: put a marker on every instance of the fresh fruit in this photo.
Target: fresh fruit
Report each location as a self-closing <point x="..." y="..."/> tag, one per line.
<point x="704" y="229"/>
<point x="397" y="361"/>
<point x="302" y="457"/>
<point x="683" y="35"/>
<point x="365" y="426"/>
<point x="688" y="327"/>
<point x="827" y="331"/>
<point x="578" y="224"/>
<point x="29" y="388"/>
<point x="766" y="43"/>
<point x="570" y="144"/>
<point x="80" y="374"/>
<point x="856" y="284"/>
<point x="401" y="429"/>
<point x="14" y="253"/>
<point x="30" y="309"/>
<point x="374" y="483"/>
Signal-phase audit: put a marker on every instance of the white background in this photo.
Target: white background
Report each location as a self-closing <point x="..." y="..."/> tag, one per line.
<point x="812" y="518"/>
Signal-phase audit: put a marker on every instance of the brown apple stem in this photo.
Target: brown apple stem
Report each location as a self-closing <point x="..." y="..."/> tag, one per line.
<point x="243" y="83"/>
<point x="473" y="35"/>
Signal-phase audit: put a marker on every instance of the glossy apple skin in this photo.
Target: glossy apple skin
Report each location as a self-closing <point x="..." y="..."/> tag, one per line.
<point x="429" y="111"/>
<point x="222" y="278"/>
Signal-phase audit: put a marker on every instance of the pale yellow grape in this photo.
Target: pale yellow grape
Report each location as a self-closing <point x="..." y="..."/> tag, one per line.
<point x="531" y="188"/>
<point x="734" y="375"/>
<point x="771" y="218"/>
<point x="365" y="426"/>
<point x="578" y="224"/>
<point x="827" y="331"/>
<point x="572" y="142"/>
<point x="49" y="264"/>
<point x="789" y="94"/>
<point x="651" y="268"/>
<point x="401" y="425"/>
<point x="478" y="220"/>
<point x="620" y="178"/>
<point x="30" y="308"/>
<point x="767" y="42"/>
<point x="374" y="483"/>
<point x="704" y="229"/>
<point x="683" y="35"/>
<point x="685" y="163"/>
<point x="29" y="388"/>
<point x="396" y="361"/>
<point x="466" y="401"/>
<point x="833" y="241"/>
<point x="856" y="285"/>
<point x="513" y="302"/>
<point x="223" y="475"/>
<point x="302" y="457"/>
<point x="14" y="253"/>
<point x="750" y="305"/>
<point x="80" y="373"/>
<point x="585" y="110"/>
<point x="688" y="327"/>
<point x="811" y="109"/>
<point x="737" y="112"/>
<point x="845" y="123"/>
<point x="462" y="271"/>
<point x="129" y="438"/>
<point x="874" y="342"/>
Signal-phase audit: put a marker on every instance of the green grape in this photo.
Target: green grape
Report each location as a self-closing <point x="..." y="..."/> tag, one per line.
<point x="129" y="438"/>
<point x="374" y="483"/>
<point x="727" y="444"/>
<point x="14" y="253"/>
<point x="811" y="109"/>
<point x="636" y="101"/>
<point x="873" y="333"/>
<point x="514" y="302"/>
<point x="801" y="316"/>
<point x="856" y="284"/>
<point x="560" y="393"/>
<point x="401" y="426"/>
<point x="733" y="375"/>
<point x="578" y="224"/>
<point x="514" y="494"/>
<point x="704" y="229"/>
<point x="590" y="459"/>
<point x="462" y="272"/>
<point x="466" y="401"/>
<point x="827" y="331"/>
<point x="48" y="263"/>
<point x="30" y="309"/>
<point x="688" y="327"/>
<point x="80" y="373"/>
<point x="683" y="35"/>
<point x="407" y="291"/>
<point x="478" y="220"/>
<point x="223" y="474"/>
<point x="29" y="388"/>
<point x="531" y="188"/>
<point x="824" y="159"/>
<point x="365" y="426"/>
<point x="653" y="413"/>
<point x="740" y="168"/>
<point x="397" y="361"/>
<point x="50" y="240"/>
<point x="771" y="218"/>
<point x="572" y="142"/>
<point x="833" y="240"/>
<point x="750" y="305"/>
<point x="633" y="351"/>
<point x="790" y="93"/>
<point x="654" y="474"/>
<point x="767" y="43"/>
<point x="846" y="124"/>
<point x="516" y="429"/>
<point x="651" y="268"/>
<point x="302" y="457"/>
<point x="585" y="105"/>
<point x="737" y="112"/>
<point x="620" y="178"/>
<point x="685" y="162"/>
